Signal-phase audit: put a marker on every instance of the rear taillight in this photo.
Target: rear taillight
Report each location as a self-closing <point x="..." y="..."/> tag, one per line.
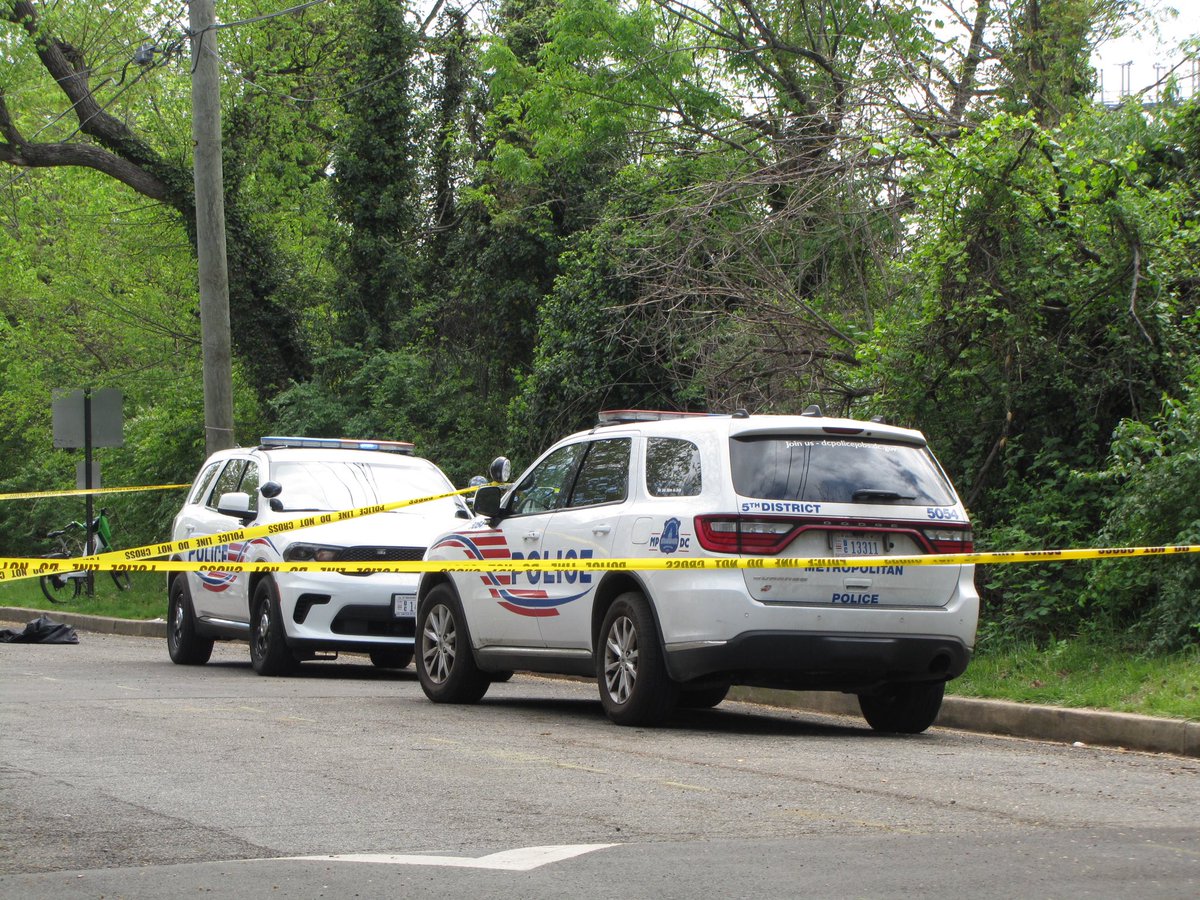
<point x="747" y="535"/>
<point x="950" y="540"/>
<point x="735" y="534"/>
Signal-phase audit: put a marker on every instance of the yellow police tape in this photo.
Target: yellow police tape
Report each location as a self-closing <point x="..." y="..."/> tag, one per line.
<point x="106" y="561"/>
<point x="143" y="559"/>
<point x="30" y="495"/>
<point x="15" y="569"/>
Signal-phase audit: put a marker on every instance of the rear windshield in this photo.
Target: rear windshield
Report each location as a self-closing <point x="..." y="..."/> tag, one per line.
<point x="779" y="467"/>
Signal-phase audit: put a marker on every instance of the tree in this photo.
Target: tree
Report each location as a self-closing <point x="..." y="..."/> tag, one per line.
<point x="151" y="162"/>
<point x="375" y="186"/>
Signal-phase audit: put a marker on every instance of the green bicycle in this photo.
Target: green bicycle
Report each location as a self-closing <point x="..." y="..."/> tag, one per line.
<point x="61" y="587"/>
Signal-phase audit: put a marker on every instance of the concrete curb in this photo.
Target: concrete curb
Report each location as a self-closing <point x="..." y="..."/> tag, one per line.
<point x="1127" y="731"/>
<point x="83" y="622"/>
<point x="1025" y="720"/>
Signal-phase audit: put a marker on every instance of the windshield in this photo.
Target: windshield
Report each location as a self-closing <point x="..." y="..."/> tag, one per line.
<point x="779" y="467"/>
<point x="328" y="486"/>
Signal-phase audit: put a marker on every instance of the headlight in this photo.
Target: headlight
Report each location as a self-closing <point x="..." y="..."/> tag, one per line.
<point x="311" y="553"/>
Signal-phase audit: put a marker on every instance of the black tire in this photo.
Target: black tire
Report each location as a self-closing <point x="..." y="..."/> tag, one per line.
<point x="186" y="647"/>
<point x="391" y="657"/>
<point x="56" y="586"/>
<point x="630" y="668"/>
<point x="500" y="677"/>
<point x="903" y="708"/>
<point x="445" y="661"/>
<point x="703" y="698"/>
<point x="269" y="652"/>
<point x="121" y="580"/>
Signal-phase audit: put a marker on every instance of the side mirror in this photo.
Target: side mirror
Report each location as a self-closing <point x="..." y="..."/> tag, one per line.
<point x="500" y="469"/>
<point x="235" y="504"/>
<point x="487" y="501"/>
<point x="271" y="491"/>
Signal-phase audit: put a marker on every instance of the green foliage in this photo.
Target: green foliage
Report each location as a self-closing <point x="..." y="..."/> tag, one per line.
<point x="396" y="395"/>
<point x="375" y="178"/>
<point x="121" y="315"/>
<point x="1050" y="297"/>
<point x="1050" y="508"/>
<point x="765" y="205"/>
<point x="1153" y="500"/>
<point x="587" y="357"/>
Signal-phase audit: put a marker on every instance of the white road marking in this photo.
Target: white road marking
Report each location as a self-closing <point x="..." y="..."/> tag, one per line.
<point x="522" y="859"/>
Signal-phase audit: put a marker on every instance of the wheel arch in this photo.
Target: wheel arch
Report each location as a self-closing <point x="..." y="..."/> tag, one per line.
<point x="172" y="577"/>
<point x="431" y="580"/>
<point x="612" y="586"/>
<point x="257" y="578"/>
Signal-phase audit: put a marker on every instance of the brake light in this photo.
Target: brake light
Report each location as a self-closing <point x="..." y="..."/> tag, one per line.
<point x="951" y="540"/>
<point x="734" y="534"/>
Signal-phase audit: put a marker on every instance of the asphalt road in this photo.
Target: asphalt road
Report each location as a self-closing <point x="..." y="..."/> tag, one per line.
<point x="124" y="775"/>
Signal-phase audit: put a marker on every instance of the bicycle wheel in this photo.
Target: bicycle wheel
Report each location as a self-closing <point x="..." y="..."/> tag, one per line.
<point x="59" y="587"/>
<point x="121" y="580"/>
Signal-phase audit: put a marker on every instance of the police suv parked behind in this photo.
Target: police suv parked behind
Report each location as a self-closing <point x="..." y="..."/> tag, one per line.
<point x="290" y="617"/>
<point x="697" y="490"/>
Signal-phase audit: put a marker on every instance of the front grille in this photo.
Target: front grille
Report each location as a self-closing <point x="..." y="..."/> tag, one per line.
<point x="382" y="554"/>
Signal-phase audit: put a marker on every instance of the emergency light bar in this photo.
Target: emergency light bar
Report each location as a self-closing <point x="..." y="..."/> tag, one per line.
<point x="276" y="442"/>
<point x="628" y="416"/>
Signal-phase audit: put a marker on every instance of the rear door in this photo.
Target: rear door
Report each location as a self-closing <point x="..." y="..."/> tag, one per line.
<point x="825" y="497"/>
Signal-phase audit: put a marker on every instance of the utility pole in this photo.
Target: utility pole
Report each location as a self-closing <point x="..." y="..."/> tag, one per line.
<point x="210" y="227"/>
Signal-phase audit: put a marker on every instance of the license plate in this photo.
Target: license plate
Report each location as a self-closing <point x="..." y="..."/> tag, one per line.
<point x="852" y="545"/>
<point x="404" y="606"/>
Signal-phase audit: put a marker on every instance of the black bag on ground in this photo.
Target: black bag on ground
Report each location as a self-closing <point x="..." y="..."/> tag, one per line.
<point x="42" y="630"/>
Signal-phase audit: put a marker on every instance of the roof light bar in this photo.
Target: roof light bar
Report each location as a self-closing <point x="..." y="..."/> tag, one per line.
<point x="276" y="442"/>
<point x="627" y="416"/>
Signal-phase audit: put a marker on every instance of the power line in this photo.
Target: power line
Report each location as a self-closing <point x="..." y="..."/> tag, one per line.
<point x="217" y="26"/>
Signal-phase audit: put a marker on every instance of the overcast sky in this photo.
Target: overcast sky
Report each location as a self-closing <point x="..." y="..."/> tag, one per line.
<point x="1147" y="50"/>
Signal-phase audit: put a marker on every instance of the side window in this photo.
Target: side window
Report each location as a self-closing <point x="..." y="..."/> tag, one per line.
<point x="604" y="475"/>
<point x="547" y="486"/>
<point x="249" y="484"/>
<point x="672" y="468"/>
<point x="228" y="480"/>
<point x="203" y="482"/>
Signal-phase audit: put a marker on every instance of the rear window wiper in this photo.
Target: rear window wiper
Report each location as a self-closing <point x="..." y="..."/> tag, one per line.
<point x="878" y="494"/>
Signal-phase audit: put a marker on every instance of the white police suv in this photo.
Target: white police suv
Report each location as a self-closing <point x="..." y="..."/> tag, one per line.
<point x="701" y="492"/>
<point x="295" y="616"/>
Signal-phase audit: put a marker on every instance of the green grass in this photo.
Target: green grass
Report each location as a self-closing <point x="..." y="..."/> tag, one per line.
<point x="1073" y="673"/>
<point x="1087" y="673"/>
<point x="146" y="598"/>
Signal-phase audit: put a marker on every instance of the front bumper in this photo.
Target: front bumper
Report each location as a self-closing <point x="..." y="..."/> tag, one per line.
<point x="331" y="611"/>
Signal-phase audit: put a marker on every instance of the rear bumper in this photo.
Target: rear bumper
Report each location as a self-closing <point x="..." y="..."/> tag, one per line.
<point x="820" y="661"/>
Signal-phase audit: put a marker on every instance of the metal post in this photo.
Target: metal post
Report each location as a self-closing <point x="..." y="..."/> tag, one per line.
<point x="87" y="483"/>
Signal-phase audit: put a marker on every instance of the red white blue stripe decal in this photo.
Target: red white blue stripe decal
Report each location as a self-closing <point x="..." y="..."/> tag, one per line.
<point x="491" y="544"/>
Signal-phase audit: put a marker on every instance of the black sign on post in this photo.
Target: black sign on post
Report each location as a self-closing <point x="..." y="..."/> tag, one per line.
<point x="88" y="419"/>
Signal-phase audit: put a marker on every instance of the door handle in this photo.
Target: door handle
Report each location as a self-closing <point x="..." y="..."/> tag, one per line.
<point x="533" y="535"/>
<point x="601" y="529"/>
